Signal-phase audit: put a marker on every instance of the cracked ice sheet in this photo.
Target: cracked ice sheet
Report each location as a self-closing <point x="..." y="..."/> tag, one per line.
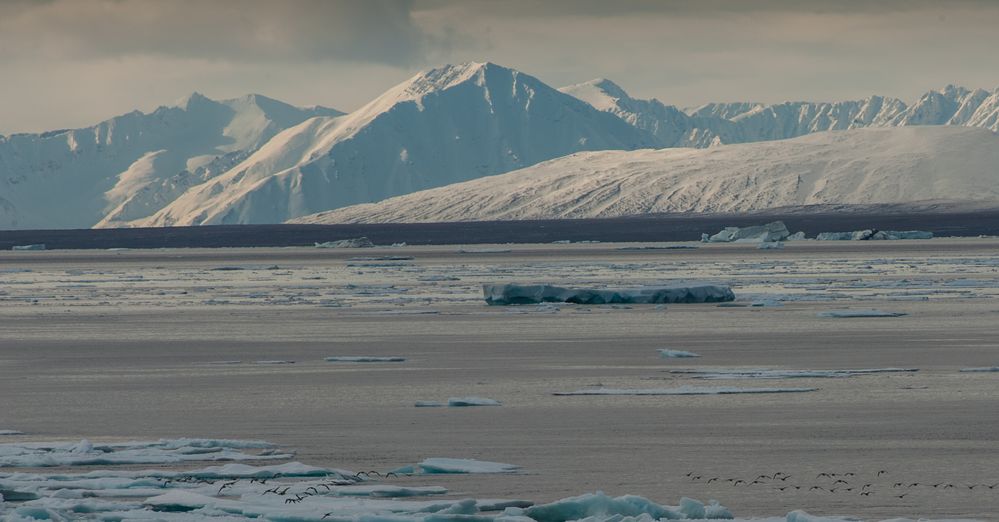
<point x="164" y="451"/>
<point x="683" y="390"/>
<point x="762" y="373"/>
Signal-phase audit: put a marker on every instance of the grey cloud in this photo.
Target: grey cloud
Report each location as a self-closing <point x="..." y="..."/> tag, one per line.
<point x="380" y="31"/>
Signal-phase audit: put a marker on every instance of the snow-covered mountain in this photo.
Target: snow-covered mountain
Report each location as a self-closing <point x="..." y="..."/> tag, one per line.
<point x="860" y="166"/>
<point x="442" y="126"/>
<point x="743" y="122"/>
<point x="132" y="165"/>
<point x="257" y="160"/>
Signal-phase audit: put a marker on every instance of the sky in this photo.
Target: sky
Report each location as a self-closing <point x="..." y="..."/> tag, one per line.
<point x="73" y="63"/>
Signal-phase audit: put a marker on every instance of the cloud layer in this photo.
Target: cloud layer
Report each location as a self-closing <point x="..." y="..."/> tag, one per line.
<point x="74" y="62"/>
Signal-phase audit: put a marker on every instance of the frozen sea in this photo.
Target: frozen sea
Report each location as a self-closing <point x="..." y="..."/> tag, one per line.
<point x="232" y="344"/>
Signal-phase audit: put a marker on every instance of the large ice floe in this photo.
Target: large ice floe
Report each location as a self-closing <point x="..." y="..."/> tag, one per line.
<point x="683" y="390"/>
<point x="769" y="233"/>
<point x="364" y="359"/>
<point x="761" y="373"/>
<point x="514" y="294"/>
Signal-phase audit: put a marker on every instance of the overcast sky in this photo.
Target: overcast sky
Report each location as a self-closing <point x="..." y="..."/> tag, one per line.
<point x="72" y="63"/>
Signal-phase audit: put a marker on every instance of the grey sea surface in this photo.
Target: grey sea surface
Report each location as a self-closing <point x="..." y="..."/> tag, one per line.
<point x="127" y="344"/>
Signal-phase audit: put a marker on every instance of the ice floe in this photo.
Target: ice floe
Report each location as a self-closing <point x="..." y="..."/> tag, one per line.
<point x="666" y="353"/>
<point x="512" y="294"/>
<point x="732" y="374"/>
<point x="457" y="402"/>
<point x="10" y="433"/>
<point x="683" y="390"/>
<point x="984" y="369"/>
<point x="769" y="233"/>
<point x="364" y="359"/>
<point x="453" y="465"/>
<point x="859" y="313"/>
<point x="85" y="453"/>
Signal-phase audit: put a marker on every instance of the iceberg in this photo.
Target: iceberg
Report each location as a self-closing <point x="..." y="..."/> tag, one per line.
<point x="514" y="294"/>
<point x="874" y="234"/>
<point x="683" y="390"/>
<point x="770" y="245"/>
<point x="38" y="246"/>
<point x="859" y="313"/>
<point x="358" y="242"/>
<point x="769" y="233"/>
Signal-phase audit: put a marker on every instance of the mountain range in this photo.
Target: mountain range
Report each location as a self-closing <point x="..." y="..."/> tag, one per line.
<point x="258" y="160"/>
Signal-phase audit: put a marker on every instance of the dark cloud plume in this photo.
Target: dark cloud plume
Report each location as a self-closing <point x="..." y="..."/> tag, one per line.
<point x="380" y="31"/>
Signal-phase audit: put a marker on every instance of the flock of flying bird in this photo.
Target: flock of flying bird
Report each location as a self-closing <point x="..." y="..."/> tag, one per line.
<point x="836" y="483"/>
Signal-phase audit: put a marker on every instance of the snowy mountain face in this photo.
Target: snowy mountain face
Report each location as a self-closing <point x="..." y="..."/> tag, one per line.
<point x="443" y="126"/>
<point x="132" y="165"/>
<point x="861" y="166"/>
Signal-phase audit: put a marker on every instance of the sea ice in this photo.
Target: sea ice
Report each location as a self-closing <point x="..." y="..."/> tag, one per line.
<point x="984" y="369"/>
<point x="428" y="404"/>
<point x="683" y="390"/>
<point x="770" y="245"/>
<point x="666" y="353"/>
<point x="859" y="313"/>
<point x="598" y="506"/>
<point x="10" y="432"/>
<point x="769" y="233"/>
<point x="276" y="361"/>
<point x="512" y="294"/>
<point x="455" y="402"/>
<point x="364" y="359"/>
<point x="797" y="236"/>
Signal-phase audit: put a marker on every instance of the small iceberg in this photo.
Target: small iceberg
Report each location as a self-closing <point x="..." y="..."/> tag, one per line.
<point x="683" y="390"/>
<point x="516" y="294"/>
<point x="666" y="353"/>
<point x="859" y="313"/>
<point x="37" y="246"/>
<point x="769" y="233"/>
<point x="364" y="359"/>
